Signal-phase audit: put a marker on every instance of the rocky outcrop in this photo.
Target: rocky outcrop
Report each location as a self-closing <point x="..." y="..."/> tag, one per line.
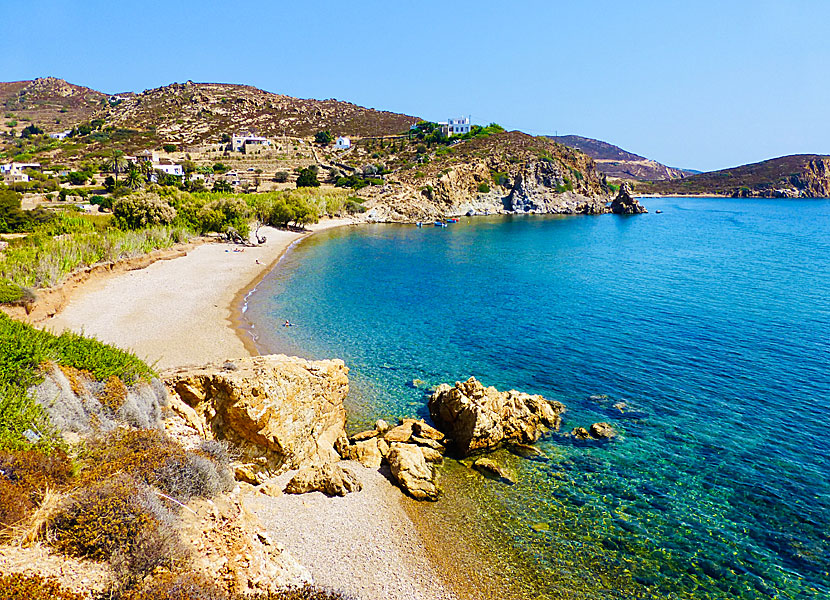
<point x="332" y="480"/>
<point x="410" y="468"/>
<point x="279" y="412"/>
<point x="491" y="468"/>
<point x="548" y="187"/>
<point x="411" y="450"/>
<point x="625" y="203"/>
<point x="230" y="547"/>
<point x="602" y="431"/>
<point x="477" y="418"/>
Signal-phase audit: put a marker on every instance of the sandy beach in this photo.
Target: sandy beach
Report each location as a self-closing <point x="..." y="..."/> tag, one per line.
<point x="182" y="312"/>
<point x="178" y="312"/>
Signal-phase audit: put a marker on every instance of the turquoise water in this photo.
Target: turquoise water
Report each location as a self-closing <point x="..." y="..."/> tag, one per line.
<point x="711" y="322"/>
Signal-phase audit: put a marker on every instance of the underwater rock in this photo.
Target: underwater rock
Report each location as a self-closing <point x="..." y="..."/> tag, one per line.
<point x="602" y="431"/>
<point x="490" y="467"/>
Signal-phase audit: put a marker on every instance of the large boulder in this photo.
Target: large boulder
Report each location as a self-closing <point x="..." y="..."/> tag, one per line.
<point x="477" y="418"/>
<point x="625" y="203"/>
<point x="411" y="470"/>
<point x="332" y="480"/>
<point x="279" y="412"/>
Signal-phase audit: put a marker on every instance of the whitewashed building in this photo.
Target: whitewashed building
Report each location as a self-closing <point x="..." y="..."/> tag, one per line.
<point x="15" y="172"/>
<point x="249" y="143"/>
<point x="169" y="167"/>
<point x="456" y="126"/>
<point x="343" y="143"/>
<point x="61" y="135"/>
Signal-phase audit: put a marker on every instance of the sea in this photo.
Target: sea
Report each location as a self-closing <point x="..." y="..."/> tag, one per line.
<point x="700" y="333"/>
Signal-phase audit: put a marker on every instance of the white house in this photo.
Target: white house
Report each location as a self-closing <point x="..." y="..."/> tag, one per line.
<point x="14" y="172"/>
<point x="61" y="135"/>
<point x="249" y="143"/>
<point x="343" y="143"/>
<point x="456" y="126"/>
<point x="169" y="167"/>
<point x="148" y="156"/>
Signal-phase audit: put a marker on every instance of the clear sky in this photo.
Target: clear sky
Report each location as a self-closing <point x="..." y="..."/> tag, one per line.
<point x="704" y="85"/>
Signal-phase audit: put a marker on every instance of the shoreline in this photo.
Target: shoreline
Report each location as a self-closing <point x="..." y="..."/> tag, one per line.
<point x="176" y="313"/>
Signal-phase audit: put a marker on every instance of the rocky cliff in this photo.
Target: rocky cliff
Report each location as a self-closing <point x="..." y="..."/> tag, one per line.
<point x="279" y="412"/>
<point x="509" y="172"/>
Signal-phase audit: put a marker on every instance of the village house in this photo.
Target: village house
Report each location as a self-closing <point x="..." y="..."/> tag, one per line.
<point x="343" y="143"/>
<point x="15" y="172"/>
<point x="148" y="156"/>
<point x="61" y="135"/>
<point x="249" y="143"/>
<point x="456" y="126"/>
<point x="169" y="167"/>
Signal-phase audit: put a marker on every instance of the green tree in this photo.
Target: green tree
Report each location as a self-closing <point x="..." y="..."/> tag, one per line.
<point x="78" y="177"/>
<point x="142" y="210"/>
<point x="116" y="164"/>
<point x="222" y="186"/>
<point x="30" y="131"/>
<point x="169" y="148"/>
<point x="134" y="178"/>
<point x="308" y="178"/>
<point x="323" y="138"/>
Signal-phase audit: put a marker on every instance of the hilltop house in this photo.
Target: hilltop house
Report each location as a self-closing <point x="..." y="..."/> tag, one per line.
<point x="456" y="126"/>
<point x="343" y="143"/>
<point x="249" y="143"/>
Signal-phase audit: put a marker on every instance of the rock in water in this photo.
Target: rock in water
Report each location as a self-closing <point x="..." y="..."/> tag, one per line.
<point x="580" y="433"/>
<point x="489" y="467"/>
<point x="410" y="469"/>
<point x="602" y="431"/>
<point x="332" y="480"/>
<point x="279" y="412"/>
<point x="625" y="203"/>
<point x="477" y="418"/>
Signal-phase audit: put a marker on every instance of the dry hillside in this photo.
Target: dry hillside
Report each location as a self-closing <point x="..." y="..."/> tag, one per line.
<point x="50" y="103"/>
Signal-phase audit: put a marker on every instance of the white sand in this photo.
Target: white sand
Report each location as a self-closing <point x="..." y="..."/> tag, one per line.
<point x="177" y="312"/>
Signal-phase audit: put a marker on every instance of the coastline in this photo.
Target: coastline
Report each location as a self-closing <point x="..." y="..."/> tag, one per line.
<point x="175" y="313"/>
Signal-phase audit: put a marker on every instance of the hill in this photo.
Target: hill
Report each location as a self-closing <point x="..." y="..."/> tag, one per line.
<point x="193" y="113"/>
<point x="617" y="163"/>
<point x="50" y="103"/>
<point x="796" y="176"/>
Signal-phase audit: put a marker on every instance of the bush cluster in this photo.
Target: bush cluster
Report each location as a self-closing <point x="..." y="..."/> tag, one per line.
<point x="16" y="586"/>
<point x="25" y="477"/>
<point x="143" y="209"/>
<point x="152" y="457"/>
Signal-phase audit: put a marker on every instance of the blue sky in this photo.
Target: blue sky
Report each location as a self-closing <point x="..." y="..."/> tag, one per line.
<point x="702" y="85"/>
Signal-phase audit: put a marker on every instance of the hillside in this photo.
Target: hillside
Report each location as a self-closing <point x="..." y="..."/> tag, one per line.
<point x="796" y="176"/>
<point x="617" y="163"/>
<point x="50" y="103"/>
<point x="503" y="172"/>
<point x="193" y="113"/>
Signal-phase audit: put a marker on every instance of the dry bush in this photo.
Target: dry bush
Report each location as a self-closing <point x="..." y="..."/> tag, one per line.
<point x="16" y="586"/>
<point x="148" y="454"/>
<point x="177" y="586"/>
<point x="114" y="393"/>
<point x="307" y="592"/>
<point x="25" y="477"/>
<point x="122" y="520"/>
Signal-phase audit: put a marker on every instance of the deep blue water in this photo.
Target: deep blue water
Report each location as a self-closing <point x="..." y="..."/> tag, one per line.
<point x="710" y="321"/>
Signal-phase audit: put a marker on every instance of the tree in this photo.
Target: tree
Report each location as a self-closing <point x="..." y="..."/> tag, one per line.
<point x="169" y="148"/>
<point x="146" y="168"/>
<point x="308" y="178"/>
<point x="280" y="177"/>
<point x="133" y="180"/>
<point x="30" y="131"/>
<point x="222" y="186"/>
<point x="219" y="168"/>
<point x="116" y="163"/>
<point x="109" y="184"/>
<point x="142" y="210"/>
<point x="78" y="177"/>
<point x="323" y="138"/>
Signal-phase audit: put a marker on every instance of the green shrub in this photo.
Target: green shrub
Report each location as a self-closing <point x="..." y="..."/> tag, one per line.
<point x="308" y="178"/>
<point x="323" y="138"/>
<point x="280" y="176"/>
<point x="169" y="148"/>
<point x="141" y="210"/>
<point x="11" y="293"/>
<point x="17" y="586"/>
<point x="222" y="213"/>
<point x="483" y="187"/>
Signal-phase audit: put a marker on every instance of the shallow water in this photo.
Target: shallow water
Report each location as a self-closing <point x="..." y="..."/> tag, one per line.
<point x="711" y="322"/>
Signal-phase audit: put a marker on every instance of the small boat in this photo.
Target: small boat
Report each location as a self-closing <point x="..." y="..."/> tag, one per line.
<point x="452" y="220"/>
<point x="659" y="212"/>
<point x="419" y="224"/>
<point x="440" y="224"/>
